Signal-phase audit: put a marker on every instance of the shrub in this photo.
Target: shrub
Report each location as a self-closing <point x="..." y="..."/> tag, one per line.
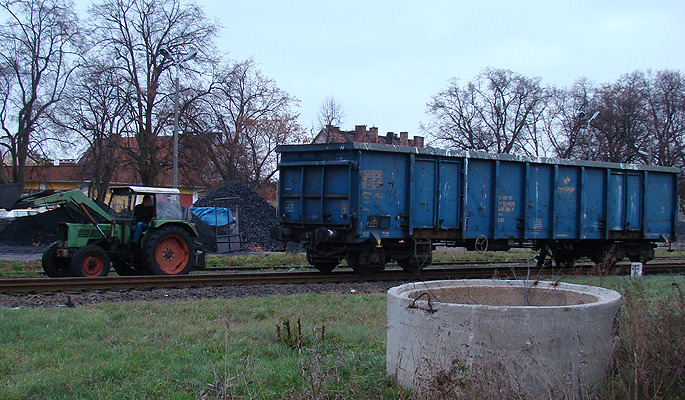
<point x="649" y="362"/>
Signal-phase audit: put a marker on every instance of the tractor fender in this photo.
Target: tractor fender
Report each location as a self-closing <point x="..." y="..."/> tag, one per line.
<point x="187" y="226"/>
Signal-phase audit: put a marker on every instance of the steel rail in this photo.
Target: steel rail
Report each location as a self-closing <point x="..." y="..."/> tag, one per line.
<point x="121" y="283"/>
<point x="214" y="267"/>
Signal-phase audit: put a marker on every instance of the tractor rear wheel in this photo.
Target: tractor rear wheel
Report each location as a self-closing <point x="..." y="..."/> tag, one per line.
<point x="170" y="250"/>
<point x="90" y="261"/>
<point x="53" y="266"/>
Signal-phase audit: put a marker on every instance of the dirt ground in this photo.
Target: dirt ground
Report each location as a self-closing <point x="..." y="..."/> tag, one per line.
<point x="21" y="253"/>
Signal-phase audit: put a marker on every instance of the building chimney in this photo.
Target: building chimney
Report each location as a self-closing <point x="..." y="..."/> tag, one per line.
<point x="404" y="138"/>
<point x="332" y="134"/>
<point x="359" y="132"/>
<point x="373" y="134"/>
<point x="390" y="138"/>
<point x="418" y="141"/>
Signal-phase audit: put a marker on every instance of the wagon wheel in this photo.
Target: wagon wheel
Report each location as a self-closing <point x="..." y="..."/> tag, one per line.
<point x="414" y="264"/>
<point x="361" y="265"/>
<point x="90" y="261"/>
<point x="603" y="258"/>
<point x="323" y="264"/>
<point x="169" y="250"/>
<point x="53" y="266"/>
<point x="409" y="264"/>
<point x="326" y="267"/>
<point x="563" y="260"/>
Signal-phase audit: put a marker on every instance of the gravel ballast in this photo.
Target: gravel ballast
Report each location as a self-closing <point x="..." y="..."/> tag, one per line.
<point x="189" y="294"/>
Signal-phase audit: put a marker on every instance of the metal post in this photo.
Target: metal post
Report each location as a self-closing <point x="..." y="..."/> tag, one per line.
<point x="175" y="163"/>
<point x="177" y="61"/>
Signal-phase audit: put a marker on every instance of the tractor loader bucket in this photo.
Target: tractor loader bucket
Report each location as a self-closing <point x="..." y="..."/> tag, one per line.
<point x="9" y="194"/>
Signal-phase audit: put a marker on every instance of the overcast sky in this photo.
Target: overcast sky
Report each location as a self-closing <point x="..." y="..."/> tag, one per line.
<point x="382" y="60"/>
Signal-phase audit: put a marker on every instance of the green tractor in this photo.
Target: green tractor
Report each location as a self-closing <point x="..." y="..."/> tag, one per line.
<point x="166" y="241"/>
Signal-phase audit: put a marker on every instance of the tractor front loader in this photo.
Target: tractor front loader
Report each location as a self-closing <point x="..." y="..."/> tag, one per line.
<point x="104" y="240"/>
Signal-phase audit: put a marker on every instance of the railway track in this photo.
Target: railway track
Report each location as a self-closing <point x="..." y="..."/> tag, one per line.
<point x="118" y="283"/>
<point x="464" y="263"/>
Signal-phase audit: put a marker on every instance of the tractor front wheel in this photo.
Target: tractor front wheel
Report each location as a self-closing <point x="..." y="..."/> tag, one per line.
<point x="170" y="250"/>
<point x="90" y="261"/>
<point x="53" y="266"/>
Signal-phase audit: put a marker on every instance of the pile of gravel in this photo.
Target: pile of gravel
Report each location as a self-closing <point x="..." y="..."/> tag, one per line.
<point x="256" y="218"/>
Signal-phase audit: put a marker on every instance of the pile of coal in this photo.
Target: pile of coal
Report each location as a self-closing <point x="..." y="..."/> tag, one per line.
<point x="34" y="230"/>
<point x="256" y="217"/>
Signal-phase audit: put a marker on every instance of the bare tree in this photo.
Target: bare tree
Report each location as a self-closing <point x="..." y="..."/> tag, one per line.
<point x="37" y="45"/>
<point x="95" y="111"/>
<point x="456" y="120"/>
<point x="619" y="132"/>
<point x="330" y="113"/>
<point x="665" y="118"/>
<point x="571" y="113"/>
<point x="497" y="113"/>
<point x="281" y="128"/>
<point x="241" y="122"/>
<point x="133" y="33"/>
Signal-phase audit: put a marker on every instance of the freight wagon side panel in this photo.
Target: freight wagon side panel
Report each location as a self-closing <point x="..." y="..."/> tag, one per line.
<point x="316" y="192"/>
<point x="661" y="205"/>
<point x="625" y="201"/>
<point x="449" y="188"/>
<point x="480" y="194"/>
<point x="424" y="193"/>
<point x="566" y="202"/>
<point x="495" y="203"/>
<point x="593" y="203"/>
<point x="509" y="197"/>
<point x="539" y="201"/>
<point x="435" y="193"/>
<point x="383" y="194"/>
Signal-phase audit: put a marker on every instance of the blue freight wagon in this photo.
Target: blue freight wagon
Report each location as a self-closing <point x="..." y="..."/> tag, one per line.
<point x="371" y="203"/>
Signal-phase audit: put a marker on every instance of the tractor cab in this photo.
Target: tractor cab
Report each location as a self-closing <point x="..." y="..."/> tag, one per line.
<point x="165" y="202"/>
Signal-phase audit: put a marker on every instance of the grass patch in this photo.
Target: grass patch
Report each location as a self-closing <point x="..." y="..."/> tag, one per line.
<point x="649" y="362"/>
<point x="258" y="260"/>
<point x="489" y="256"/>
<point x="20" y="269"/>
<point x="202" y="349"/>
<point x="230" y="348"/>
